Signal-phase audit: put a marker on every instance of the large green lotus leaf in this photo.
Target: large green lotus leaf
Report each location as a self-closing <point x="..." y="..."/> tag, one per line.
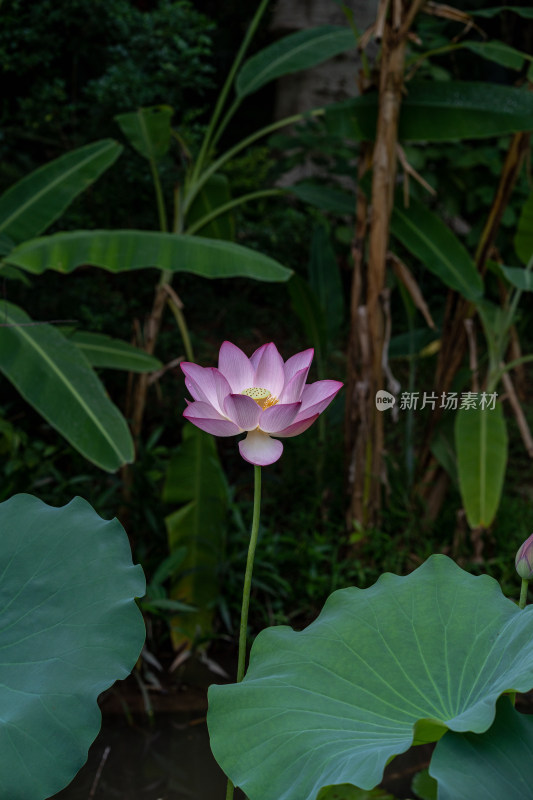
<point x="333" y="703"/>
<point x="121" y="251"/>
<point x="348" y="792"/>
<point x="496" y="765"/>
<point x="69" y="628"/>
<point x="424" y="786"/>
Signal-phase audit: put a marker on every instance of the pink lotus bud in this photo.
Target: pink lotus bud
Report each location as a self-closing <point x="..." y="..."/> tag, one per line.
<point x="524" y="560"/>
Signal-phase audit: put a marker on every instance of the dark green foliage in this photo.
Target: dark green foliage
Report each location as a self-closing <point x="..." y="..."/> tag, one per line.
<point x="157" y="57"/>
<point x="69" y="66"/>
<point x="331" y="154"/>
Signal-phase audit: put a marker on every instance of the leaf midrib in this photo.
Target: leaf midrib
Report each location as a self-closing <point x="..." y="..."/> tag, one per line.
<point x="43" y="354"/>
<point x="114" y="351"/>
<point x="482" y="468"/>
<point x="20" y="210"/>
<point x="429" y="242"/>
<point x="308" y="44"/>
<point x="147" y="141"/>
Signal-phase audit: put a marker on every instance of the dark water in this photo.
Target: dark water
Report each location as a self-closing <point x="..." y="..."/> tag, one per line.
<point x="172" y="760"/>
<point x="169" y="761"/>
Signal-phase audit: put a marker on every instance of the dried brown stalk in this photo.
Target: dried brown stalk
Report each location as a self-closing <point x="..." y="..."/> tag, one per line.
<point x="101" y="766"/>
<point x="511" y="168"/>
<point x="172" y="293"/>
<point x="396" y="14"/>
<point x="151" y="332"/>
<point x="404" y="274"/>
<point x="523" y="427"/>
<point x="154" y="377"/>
<point x="409" y="170"/>
<point x="366" y="37"/>
<point x="393" y="386"/>
<point x="358" y="355"/>
<point x="449" y="12"/>
<point x="381" y="18"/>
<point x="364" y="433"/>
<point x="136" y="402"/>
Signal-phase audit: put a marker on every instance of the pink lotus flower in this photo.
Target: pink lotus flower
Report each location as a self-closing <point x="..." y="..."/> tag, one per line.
<point x="262" y="396"/>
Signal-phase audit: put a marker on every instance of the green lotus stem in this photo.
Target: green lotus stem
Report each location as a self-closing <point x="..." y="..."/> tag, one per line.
<point x="241" y="662"/>
<point x="248" y="574"/>
<point x="229" y="790"/>
<point x="523" y="593"/>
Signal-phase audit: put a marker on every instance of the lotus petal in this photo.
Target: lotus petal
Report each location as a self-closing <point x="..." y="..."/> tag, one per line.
<point x="297" y="362"/>
<point x="297" y="427"/>
<point x="292" y="391"/>
<point x="243" y="411"/>
<point x="236" y="367"/>
<point x="276" y="418"/>
<point x="269" y="373"/>
<point x="259" y="449"/>
<point x="204" y="416"/>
